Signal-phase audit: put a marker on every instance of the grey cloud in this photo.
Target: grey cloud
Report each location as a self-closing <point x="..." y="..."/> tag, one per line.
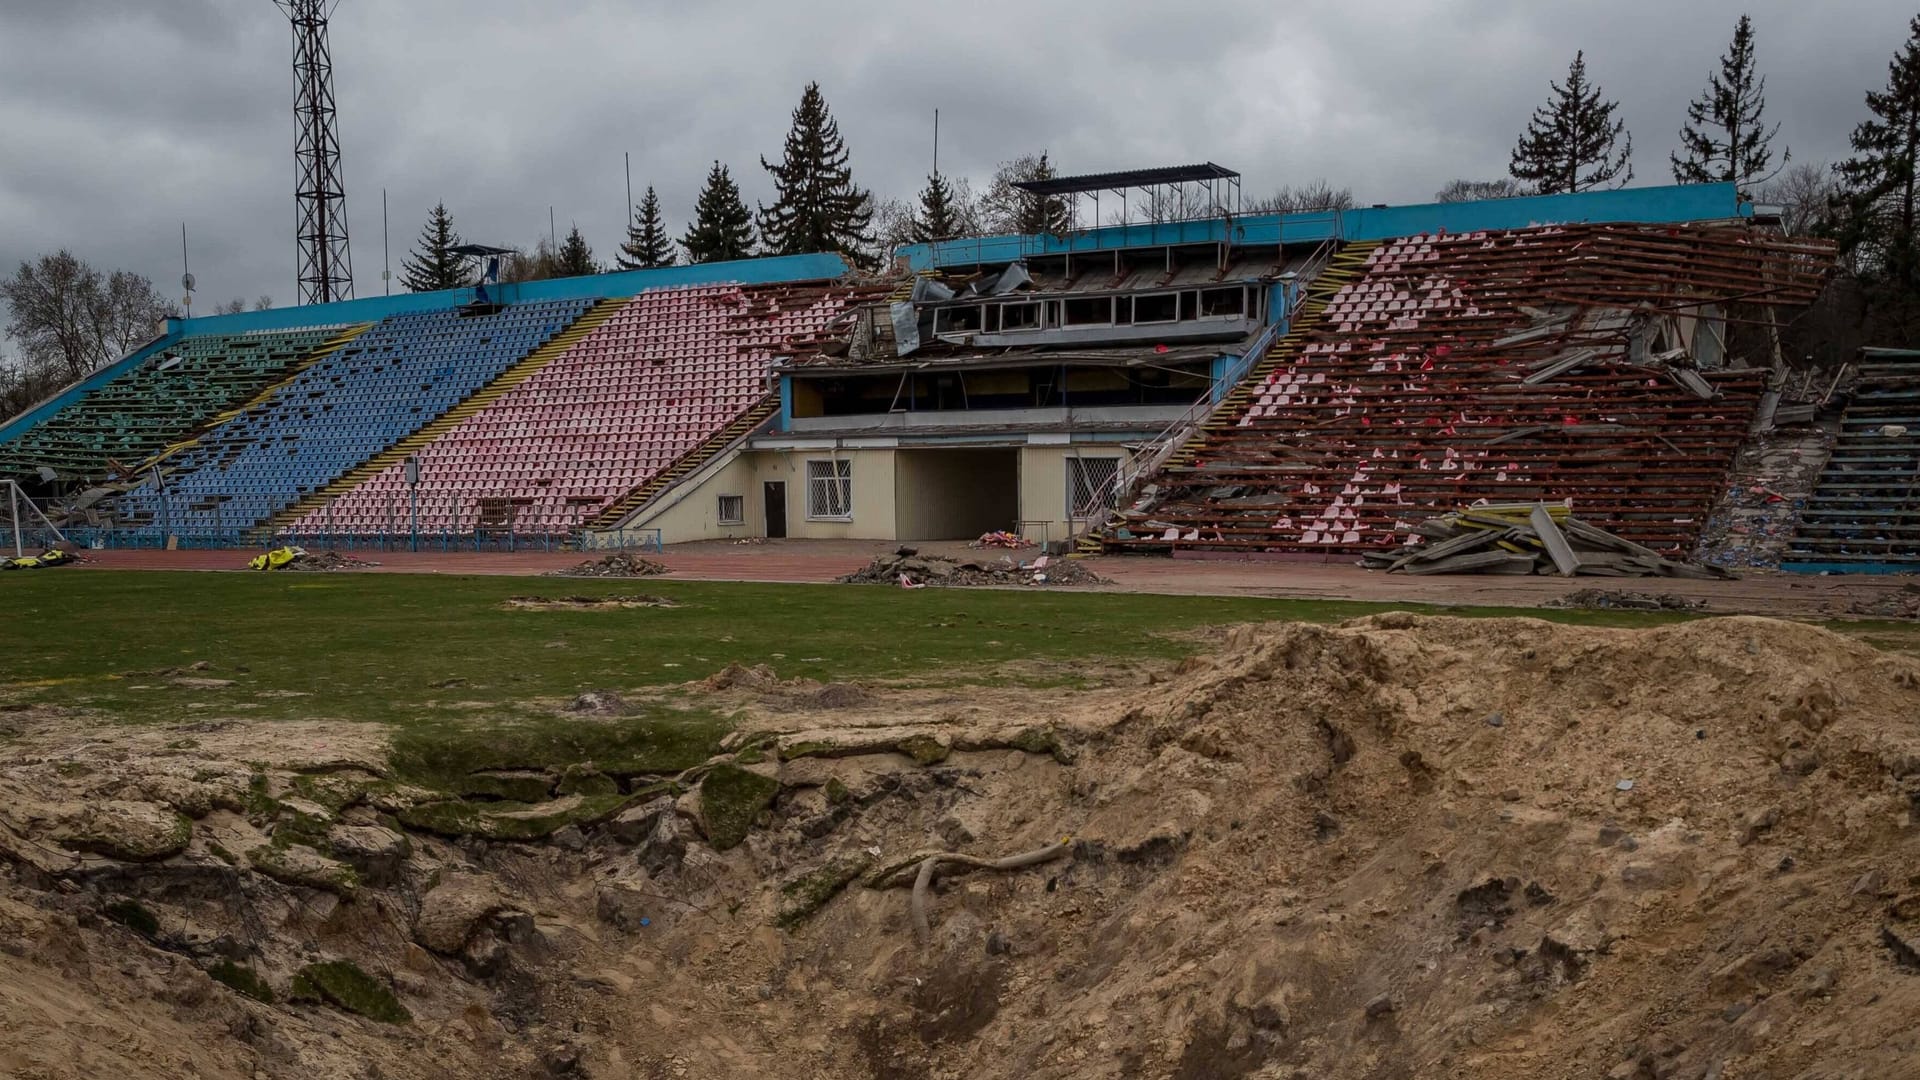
<point x="119" y="119"/>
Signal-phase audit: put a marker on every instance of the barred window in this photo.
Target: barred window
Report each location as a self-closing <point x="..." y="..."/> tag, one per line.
<point x="733" y="509"/>
<point x="1090" y="485"/>
<point x="830" y="489"/>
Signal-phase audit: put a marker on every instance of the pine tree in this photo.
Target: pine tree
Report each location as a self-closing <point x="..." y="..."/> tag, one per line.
<point x="940" y="216"/>
<point x="1726" y="137"/>
<point x="1877" y="228"/>
<point x="575" y="258"/>
<point x="1043" y="213"/>
<point x="434" y="265"/>
<point x="816" y="205"/>
<point x="648" y="245"/>
<point x="1570" y="144"/>
<point x="722" y="225"/>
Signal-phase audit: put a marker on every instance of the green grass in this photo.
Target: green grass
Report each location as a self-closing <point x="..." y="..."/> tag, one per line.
<point x="442" y="656"/>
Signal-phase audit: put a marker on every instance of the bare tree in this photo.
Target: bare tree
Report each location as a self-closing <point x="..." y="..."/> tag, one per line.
<point x="263" y="302"/>
<point x="21" y="386"/>
<point x="1008" y="209"/>
<point x="893" y="222"/>
<point x="232" y="307"/>
<point x="536" y="265"/>
<point x="1475" y="190"/>
<point x="69" y="319"/>
<point x="1306" y="198"/>
<point x="1804" y="193"/>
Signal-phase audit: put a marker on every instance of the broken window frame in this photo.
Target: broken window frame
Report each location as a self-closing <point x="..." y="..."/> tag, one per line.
<point x="1241" y="312"/>
<point x="1068" y="322"/>
<point x="968" y="317"/>
<point x="829" y="489"/>
<point x="1143" y="320"/>
<point x="1025" y="315"/>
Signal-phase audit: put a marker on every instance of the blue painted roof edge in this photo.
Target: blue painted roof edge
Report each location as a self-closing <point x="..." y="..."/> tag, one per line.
<point x="1664" y="204"/>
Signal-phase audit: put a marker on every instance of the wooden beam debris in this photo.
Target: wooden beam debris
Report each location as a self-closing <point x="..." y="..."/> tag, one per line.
<point x="1521" y="538"/>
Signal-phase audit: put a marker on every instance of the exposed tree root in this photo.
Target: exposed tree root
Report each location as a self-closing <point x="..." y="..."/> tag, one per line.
<point x="922" y="931"/>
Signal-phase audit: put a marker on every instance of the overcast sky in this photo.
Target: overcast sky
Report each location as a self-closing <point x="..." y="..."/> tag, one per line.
<point x="120" y="119"/>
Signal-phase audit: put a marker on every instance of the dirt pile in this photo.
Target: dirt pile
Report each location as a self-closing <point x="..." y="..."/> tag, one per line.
<point x="907" y="566"/>
<point x="588" y="603"/>
<point x="619" y="565"/>
<point x="1400" y="847"/>
<point x="1625" y="600"/>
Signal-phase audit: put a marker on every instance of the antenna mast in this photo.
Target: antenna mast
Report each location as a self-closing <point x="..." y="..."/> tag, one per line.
<point x="325" y="268"/>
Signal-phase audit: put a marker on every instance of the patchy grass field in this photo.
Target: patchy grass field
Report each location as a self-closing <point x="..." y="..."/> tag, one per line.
<point x="472" y="682"/>
<point x="420" y="650"/>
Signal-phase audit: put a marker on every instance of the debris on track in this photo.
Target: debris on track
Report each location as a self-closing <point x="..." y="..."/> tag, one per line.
<point x="1901" y="604"/>
<point x="1527" y="538"/>
<point x="619" y="566"/>
<point x="1002" y="539"/>
<point x="910" y="569"/>
<point x="1624" y="600"/>
<point x="49" y="557"/>
<point x="298" y="558"/>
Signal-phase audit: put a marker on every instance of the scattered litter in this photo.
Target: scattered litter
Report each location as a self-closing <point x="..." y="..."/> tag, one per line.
<point x="1623" y="600"/>
<point x="908" y="569"/>
<point x="1527" y="538"/>
<point x="1624" y="785"/>
<point x="1002" y="539"/>
<point x="297" y="558"/>
<point x="618" y="565"/>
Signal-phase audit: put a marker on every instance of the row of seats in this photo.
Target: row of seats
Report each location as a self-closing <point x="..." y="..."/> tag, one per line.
<point x="1402" y="403"/>
<point x="658" y="378"/>
<point x="380" y="388"/>
<point x="1863" y="510"/>
<point x="158" y="402"/>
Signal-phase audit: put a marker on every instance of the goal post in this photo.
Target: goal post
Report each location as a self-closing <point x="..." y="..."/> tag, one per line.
<point x="20" y="513"/>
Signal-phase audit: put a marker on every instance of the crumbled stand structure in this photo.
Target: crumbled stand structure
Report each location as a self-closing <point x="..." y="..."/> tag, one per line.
<point x="1579" y="362"/>
<point x="1522" y="539"/>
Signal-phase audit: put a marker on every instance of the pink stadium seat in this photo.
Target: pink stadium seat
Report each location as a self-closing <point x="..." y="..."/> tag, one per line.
<point x="667" y="371"/>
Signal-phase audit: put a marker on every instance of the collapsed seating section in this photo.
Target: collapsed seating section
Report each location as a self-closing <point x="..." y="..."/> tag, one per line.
<point x="669" y="369"/>
<point x="1862" y="511"/>
<point x="343" y="409"/>
<point x="1542" y="364"/>
<point x="158" y="402"/>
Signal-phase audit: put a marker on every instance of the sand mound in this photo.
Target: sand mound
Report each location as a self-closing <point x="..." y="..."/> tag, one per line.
<point x="1399" y="847"/>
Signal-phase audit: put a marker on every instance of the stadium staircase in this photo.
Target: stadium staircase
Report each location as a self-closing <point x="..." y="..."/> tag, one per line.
<point x="1864" y="513"/>
<point x="1344" y="266"/>
<point x="539" y="358"/>
<point x="725" y="442"/>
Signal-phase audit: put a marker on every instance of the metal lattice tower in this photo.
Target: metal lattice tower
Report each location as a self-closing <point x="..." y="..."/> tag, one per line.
<point x="325" y="267"/>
